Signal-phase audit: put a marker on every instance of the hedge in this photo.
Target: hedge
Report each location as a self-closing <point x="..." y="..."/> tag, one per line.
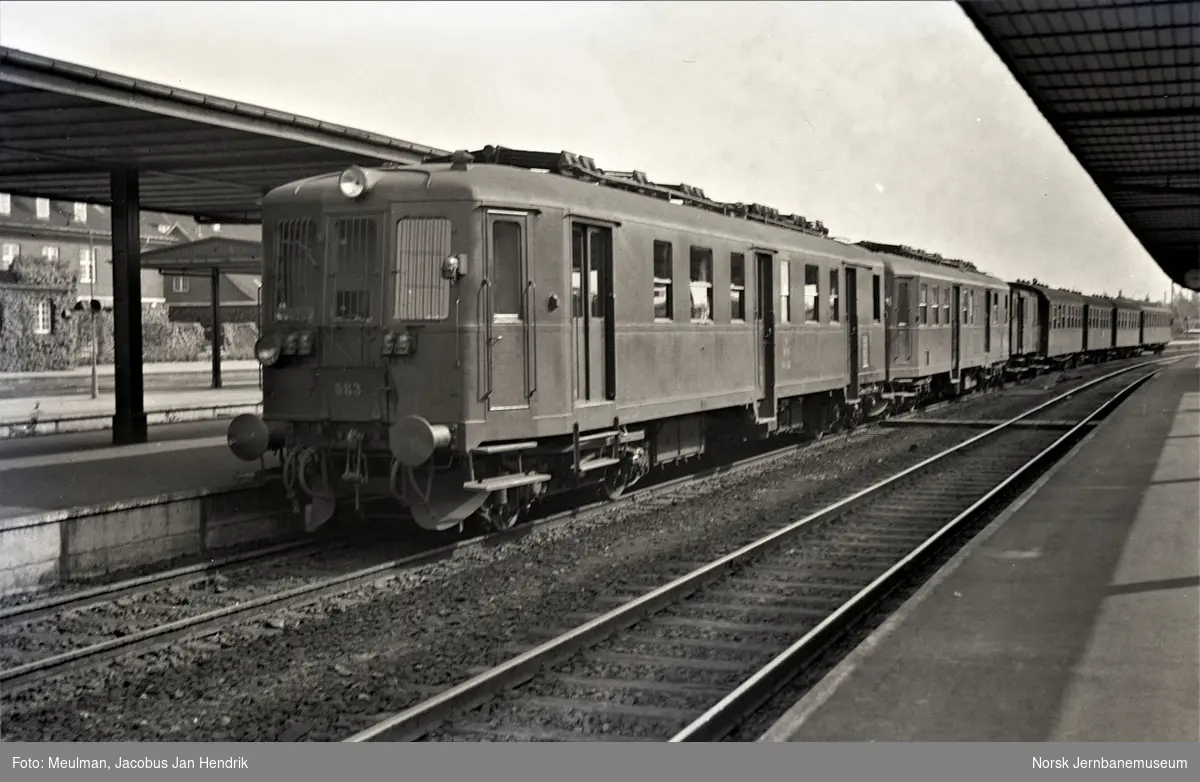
<point x="202" y="313"/>
<point x="23" y="285"/>
<point x="29" y="281"/>
<point x="162" y="340"/>
<point x="238" y="339"/>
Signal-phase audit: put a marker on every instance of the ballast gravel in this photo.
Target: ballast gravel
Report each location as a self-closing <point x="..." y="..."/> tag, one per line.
<point x="324" y="671"/>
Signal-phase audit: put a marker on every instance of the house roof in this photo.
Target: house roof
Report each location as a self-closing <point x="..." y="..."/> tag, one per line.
<point x="22" y="216"/>
<point x="246" y="283"/>
<point x="226" y="254"/>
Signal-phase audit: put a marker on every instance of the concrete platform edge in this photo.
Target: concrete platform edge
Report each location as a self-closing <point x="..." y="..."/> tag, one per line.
<point x="43" y="550"/>
<point x="14" y="429"/>
<point x="795" y="717"/>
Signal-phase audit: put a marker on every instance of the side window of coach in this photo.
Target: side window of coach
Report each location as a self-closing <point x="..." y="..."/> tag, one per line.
<point x="664" y="291"/>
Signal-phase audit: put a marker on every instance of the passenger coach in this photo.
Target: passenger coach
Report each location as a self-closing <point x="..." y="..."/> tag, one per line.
<point x="1048" y="325"/>
<point x="1157" y="323"/>
<point x="946" y="330"/>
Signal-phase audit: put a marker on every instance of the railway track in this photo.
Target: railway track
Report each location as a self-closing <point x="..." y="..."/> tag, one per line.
<point x="49" y="637"/>
<point x="689" y="660"/>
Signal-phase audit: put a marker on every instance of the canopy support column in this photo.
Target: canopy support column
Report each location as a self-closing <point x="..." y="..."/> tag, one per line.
<point x="129" y="419"/>
<point x="215" y="296"/>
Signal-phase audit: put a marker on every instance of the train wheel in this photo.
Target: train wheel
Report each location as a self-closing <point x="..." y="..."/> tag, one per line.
<point x="499" y="517"/>
<point x="614" y="484"/>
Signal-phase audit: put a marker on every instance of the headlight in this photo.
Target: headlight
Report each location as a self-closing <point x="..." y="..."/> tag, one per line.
<point x="267" y="350"/>
<point x="353" y="182"/>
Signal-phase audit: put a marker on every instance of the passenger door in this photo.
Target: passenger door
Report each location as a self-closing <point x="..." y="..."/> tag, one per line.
<point x="852" y="329"/>
<point x="955" y="331"/>
<point x="987" y="320"/>
<point x="355" y="264"/>
<point x="902" y="346"/>
<point x="765" y="326"/>
<point x="505" y="328"/>
<point x="1019" y="312"/>
<point x="592" y="316"/>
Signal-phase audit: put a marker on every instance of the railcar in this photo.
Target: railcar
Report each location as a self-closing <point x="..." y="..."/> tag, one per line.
<point x="1156" y="327"/>
<point x="945" y="332"/>
<point x="1097" y="319"/>
<point x="473" y="334"/>
<point x="1025" y="329"/>
<point x="1057" y="334"/>
<point x="1125" y="336"/>
<point x="476" y="333"/>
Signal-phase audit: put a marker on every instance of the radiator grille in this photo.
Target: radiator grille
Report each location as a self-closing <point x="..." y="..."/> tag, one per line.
<point x="422" y="243"/>
<point x="355" y="258"/>
<point x="297" y="270"/>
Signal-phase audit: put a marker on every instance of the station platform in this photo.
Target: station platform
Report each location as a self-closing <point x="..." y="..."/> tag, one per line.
<point x="1075" y="616"/>
<point x="57" y="472"/>
<point x="53" y="414"/>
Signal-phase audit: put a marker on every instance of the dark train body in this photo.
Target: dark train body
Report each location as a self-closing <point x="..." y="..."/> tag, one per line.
<point x="468" y="337"/>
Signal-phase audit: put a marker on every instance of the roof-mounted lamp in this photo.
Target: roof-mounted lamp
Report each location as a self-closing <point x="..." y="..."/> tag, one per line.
<point x="356" y="181"/>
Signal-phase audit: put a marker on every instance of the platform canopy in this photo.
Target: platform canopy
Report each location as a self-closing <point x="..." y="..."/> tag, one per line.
<point x="73" y="133"/>
<point x="1119" y="81"/>
<point x="64" y="128"/>
<point x="201" y="257"/>
<point x="212" y="257"/>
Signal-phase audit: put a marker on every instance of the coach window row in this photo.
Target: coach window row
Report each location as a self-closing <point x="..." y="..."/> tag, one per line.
<point x="933" y="305"/>
<point x="700" y="284"/>
<point x="1068" y="316"/>
<point x="933" y="308"/>
<point x="1097" y="318"/>
<point x="812" y="293"/>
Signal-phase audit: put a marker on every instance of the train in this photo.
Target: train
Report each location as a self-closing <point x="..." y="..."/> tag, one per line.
<point x="467" y="337"/>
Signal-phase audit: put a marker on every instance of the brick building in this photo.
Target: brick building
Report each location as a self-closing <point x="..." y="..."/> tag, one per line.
<point x="82" y="235"/>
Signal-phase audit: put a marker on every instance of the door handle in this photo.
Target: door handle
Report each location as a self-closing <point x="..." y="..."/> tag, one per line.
<point x="495" y="339"/>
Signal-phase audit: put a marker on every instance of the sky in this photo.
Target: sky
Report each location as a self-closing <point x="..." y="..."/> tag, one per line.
<point x="889" y="121"/>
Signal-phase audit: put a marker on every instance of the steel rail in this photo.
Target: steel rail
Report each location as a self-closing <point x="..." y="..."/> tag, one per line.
<point x="723" y="716"/>
<point x="417" y="720"/>
<point x="73" y="601"/>
<point x="213" y="621"/>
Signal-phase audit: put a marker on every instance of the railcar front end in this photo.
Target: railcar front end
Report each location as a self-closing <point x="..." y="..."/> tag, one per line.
<point x="363" y="367"/>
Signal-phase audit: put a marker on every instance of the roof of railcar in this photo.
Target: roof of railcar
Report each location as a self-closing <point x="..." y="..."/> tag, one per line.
<point x="1128" y="304"/>
<point x="1053" y="294"/>
<point x="938" y="271"/>
<point x="513" y="187"/>
<point x="1093" y="299"/>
